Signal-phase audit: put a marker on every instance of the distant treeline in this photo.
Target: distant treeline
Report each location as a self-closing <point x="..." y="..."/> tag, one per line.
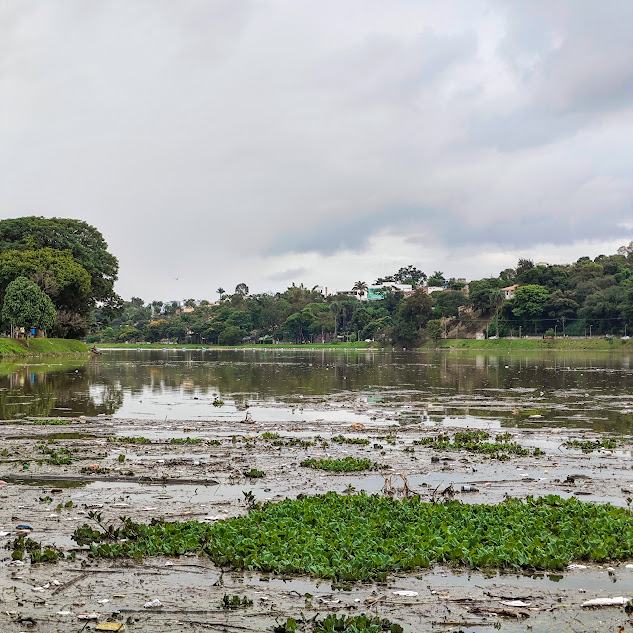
<point x="589" y="296"/>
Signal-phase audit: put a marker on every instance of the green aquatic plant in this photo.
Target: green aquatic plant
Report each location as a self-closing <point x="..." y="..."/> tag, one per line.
<point x="475" y="442"/>
<point x="344" y="624"/>
<point x="362" y="537"/>
<point x="346" y="465"/>
<point x="36" y="552"/>
<point x="185" y="440"/>
<point x="340" y="439"/>
<point x="293" y="441"/>
<point x="235" y="602"/>
<point x="54" y="421"/>
<point x="587" y="446"/>
<point x="56" y="457"/>
<point x="125" y="439"/>
<point x="270" y="436"/>
<point x="253" y="473"/>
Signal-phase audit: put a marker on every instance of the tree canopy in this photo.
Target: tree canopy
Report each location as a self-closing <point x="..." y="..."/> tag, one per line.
<point x="26" y="306"/>
<point x="68" y="259"/>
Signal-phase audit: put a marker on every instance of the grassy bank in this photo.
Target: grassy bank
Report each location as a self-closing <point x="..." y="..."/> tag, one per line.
<point x="41" y="347"/>
<point x="568" y="344"/>
<point x="359" y="345"/>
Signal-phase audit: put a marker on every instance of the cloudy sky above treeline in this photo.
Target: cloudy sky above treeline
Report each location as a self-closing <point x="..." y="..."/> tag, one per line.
<point x="320" y="141"/>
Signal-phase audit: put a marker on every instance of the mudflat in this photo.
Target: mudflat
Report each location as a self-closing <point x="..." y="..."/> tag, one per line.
<point x="95" y="470"/>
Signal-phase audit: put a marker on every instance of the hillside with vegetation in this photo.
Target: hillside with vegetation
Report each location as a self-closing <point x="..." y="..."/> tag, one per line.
<point x="593" y="297"/>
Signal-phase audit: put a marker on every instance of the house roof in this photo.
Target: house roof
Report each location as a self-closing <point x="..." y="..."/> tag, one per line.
<point x="511" y="287"/>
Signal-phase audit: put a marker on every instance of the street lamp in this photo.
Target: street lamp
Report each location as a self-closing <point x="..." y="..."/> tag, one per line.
<point x="555" y="328"/>
<point x="590" y="330"/>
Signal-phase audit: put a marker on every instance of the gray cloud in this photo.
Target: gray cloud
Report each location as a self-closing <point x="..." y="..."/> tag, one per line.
<point x="288" y="275"/>
<point x="222" y="141"/>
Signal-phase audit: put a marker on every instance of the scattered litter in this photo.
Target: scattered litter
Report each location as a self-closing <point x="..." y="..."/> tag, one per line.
<point x="120" y="505"/>
<point x="169" y="564"/>
<point x="149" y="508"/>
<point x="23" y="526"/>
<point x="629" y="566"/>
<point x="606" y="602"/>
<point x="104" y="601"/>
<point x="64" y="613"/>
<point x="110" y="626"/>
<point x="7" y="534"/>
<point x="575" y="566"/>
<point x="516" y="603"/>
<point x="410" y="594"/>
<point x="470" y="489"/>
<point x="87" y="616"/>
<point x="152" y="604"/>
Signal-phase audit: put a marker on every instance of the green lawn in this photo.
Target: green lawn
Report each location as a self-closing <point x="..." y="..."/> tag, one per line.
<point x="41" y="346"/>
<point x="591" y="344"/>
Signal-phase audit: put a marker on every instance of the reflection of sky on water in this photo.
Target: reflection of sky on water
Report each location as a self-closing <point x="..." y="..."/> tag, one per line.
<point x="478" y="389"/>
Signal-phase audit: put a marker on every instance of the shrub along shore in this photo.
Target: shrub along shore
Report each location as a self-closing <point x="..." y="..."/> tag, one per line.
<point x="41" y="347"/>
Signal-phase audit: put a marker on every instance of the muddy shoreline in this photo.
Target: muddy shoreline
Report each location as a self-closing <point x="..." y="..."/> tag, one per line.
<point x="205" y="481"/>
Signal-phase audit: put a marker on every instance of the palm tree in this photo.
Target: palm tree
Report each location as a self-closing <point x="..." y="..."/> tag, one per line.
<point x="360" y="287"/>
<point x="220" y="291"/>
<point x="497" y="296"/>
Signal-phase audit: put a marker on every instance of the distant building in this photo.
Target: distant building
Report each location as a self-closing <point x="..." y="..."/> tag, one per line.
<point x="431" y="289"/>
<point x="508" y="292"/>
<point x="378" y="291"/>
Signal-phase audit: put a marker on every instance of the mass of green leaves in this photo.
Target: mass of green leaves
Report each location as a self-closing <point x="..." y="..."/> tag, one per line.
<point x="25" y="305"/>
<point x="340" y="439"/>
<point x="475" y="442"/>
<point x="344" y="624"/>
<point x="68" y="259"/>
<point x="587" y="446"/>
<point x="347" y="464"/>
<point x="36" y="552"/>
<point x="361" y="537"/>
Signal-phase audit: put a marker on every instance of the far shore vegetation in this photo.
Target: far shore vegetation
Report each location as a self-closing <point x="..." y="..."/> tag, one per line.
<point x="57" y="278"/>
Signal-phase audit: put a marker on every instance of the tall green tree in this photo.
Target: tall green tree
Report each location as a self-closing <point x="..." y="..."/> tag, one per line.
<point x="50" y="240"/>
<point x="530" y="301"/>
<point x="84" y="241"/>
<point x="25" y="305"/>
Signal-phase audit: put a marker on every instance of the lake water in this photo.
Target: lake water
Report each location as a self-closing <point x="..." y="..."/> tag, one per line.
<point x="448" y="387"/>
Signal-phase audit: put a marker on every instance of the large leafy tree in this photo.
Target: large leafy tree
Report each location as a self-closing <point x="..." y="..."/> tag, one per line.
<point x="25" y="305"/>
<point x="530" y="301"/>
<point x="42" y="243"/>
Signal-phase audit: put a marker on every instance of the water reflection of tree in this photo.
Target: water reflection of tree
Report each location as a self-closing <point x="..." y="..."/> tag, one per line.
<point x="56" y="388"/>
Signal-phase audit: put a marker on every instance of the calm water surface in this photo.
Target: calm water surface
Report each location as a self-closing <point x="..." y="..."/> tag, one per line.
<point x="512" y="389"/>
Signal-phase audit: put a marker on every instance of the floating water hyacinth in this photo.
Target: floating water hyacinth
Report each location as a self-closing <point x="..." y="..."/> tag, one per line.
<point x="364" y="537"/>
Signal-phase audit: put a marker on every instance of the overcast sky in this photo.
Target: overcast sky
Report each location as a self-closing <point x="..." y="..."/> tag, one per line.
<point x="320" y="141"/>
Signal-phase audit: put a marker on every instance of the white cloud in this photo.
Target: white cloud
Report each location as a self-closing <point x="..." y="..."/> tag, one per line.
<point x="221" y="141"/>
